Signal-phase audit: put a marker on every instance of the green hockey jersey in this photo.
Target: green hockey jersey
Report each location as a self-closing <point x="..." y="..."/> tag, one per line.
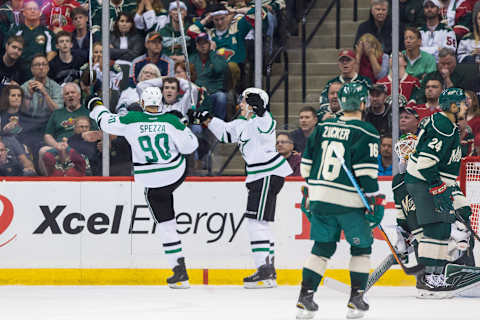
<point x="438" y="152"/>
<point x="330" y="189"/>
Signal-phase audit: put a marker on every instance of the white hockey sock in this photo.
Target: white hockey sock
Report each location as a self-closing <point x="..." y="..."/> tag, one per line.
<point x="171" y="243"/>
<point x="259" y="232"/>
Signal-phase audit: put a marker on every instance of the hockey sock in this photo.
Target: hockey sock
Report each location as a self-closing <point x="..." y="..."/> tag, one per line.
<point x="259" y="232"/>
<point x="313" y="271"/>
<point x="272" y="251"/>
<point x="359" y="270"/>
<point x="170" y="241"/>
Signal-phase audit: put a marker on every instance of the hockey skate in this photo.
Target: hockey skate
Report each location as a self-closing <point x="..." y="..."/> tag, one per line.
<point x="264" y="277"/>
<point x="305" y="305"/>
<point x="179" y="280"/>
<point x="357" y="305"/>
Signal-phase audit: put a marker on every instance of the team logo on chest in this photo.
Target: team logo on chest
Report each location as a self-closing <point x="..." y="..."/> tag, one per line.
<point x="456" y="155"/>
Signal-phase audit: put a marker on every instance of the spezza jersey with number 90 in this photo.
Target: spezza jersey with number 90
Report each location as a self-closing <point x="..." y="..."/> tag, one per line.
<point x="438" y="152"/>
<point x="158" y="143"/>
<point x="330" y="189"/>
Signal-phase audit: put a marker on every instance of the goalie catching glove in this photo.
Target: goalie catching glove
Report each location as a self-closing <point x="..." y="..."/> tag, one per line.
<point x="377" y="208"/>
<point x="442" y="197"/>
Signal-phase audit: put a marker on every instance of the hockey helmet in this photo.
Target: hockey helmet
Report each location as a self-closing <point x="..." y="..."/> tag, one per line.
<point x="451" y="96"/>
<point x="351" y="95"/>
<point x="405" y="146"/>
<point x="259" y="110"/>
<point x="151" y="96"/>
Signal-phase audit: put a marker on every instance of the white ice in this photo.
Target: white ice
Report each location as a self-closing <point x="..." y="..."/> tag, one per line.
<point x="215" y="303"/>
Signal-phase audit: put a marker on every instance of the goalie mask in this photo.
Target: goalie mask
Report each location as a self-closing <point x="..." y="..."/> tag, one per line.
<point x="257" y="99"/>
<point x="405" y="146"/>
<point x="151" y="97"/>
<point x="452" y="96"/>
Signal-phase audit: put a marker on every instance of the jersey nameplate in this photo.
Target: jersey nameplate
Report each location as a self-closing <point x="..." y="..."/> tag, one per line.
<point x="336" y="133"/>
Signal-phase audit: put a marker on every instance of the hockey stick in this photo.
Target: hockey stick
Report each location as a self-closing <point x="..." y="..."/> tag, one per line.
<point x="469" y="227"/>
<point x="372" y="278"/>
<point x="408" y="270"/>
<point x="185" y="53"/>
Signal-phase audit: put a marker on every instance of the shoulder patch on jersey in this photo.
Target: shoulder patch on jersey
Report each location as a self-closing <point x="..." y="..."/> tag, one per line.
<point x="442" y="124"/>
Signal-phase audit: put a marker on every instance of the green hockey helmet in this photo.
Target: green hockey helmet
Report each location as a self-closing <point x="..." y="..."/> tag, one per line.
<point x="351" y="95"/>
<point x="451" y="95"/>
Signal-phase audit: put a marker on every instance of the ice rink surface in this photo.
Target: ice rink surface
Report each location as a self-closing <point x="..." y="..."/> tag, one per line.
<point x="214" y="303"/>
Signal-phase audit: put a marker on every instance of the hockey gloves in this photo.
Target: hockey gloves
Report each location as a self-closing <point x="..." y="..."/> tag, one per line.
<point x="377" y="208"/>
<point x="183" y="119"/>
<point x="254" y="100"/>
<point x="198" y="117"/>
<point x="93" y="101"/>
<point x="442" y="197"/>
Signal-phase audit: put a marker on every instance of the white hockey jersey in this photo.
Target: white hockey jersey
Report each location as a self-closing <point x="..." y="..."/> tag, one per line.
<point x="442" y="37"/>
<point x="158" y="142"/>
<point x="256" y="140"/>
<point x="466" y="46"/>
<point x="181" y="105"/>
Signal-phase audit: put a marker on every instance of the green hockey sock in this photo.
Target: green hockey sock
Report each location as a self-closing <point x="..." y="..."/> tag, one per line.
<point x="358" y="280"/>
<point x="311" y="279"/>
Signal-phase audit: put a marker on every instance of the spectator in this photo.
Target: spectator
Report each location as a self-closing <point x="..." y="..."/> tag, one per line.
<point x="373" y="62"/>
<point x="116" y="74"/>
<point x="61" y="122"/>
<point x="13" y="159"/>
<point x="80" y="36"/>
<point x="379" y="112"/>
<point x="347" y="63"/>
<point x="476" y="145"/>
<point x="37" y="38"/>
<point x="419" y="63"/>
<point x="409" y="85"/>
<point x="64" y="161"/>
<point x="469" y="46"/>
<point x="199" y="9"/>
<point x="125" y="43"/>
<point x="380" y="25"/>
<point x="285" y="148"/>
<point x="11" y="15"/>
<point x="436" y="34"/>
<point x="42" y="97"/>
<point x="150" y="16"/>
<point x="116" y="7"/>
<point x="385" y="156"/>
<point x="10" y="103"/>
<point x="408" y="120"/>
<point x="307" y="121"/>
<point x="446" y="71"/>
<point x="332" y="108"/>
<point x="171" y="35"/>
<point x="473" y="112"/>
<point x="457" y="14"/>
<point x="129" y="99"/>
<point x="10" y="65"/>
<point x="466" y="135"/>
<point x="228" y="35"/>
<point x="433" y="89"/>
<point x="88" y="149"/>
<point x="411" y="13"/>
<point x="57" y="14"/>
<point x="65" y="67"/>
<point x="153" y="44"/>
<point x="211" y="71"/>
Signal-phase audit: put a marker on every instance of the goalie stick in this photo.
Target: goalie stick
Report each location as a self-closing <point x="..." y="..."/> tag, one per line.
<point x="408" y="270"/>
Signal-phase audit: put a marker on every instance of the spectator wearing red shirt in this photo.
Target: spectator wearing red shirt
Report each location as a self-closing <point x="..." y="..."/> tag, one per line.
<point x="473" y="112"/>
<point x="58" y="14"/>
<point x="408" y="84"/>
<point x="433" y="89"/>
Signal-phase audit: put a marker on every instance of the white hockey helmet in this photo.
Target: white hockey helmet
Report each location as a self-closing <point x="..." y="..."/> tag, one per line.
<point x="151" y="96"/>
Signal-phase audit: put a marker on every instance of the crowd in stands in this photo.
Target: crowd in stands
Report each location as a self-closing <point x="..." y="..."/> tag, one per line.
<point x="45" y="74"/>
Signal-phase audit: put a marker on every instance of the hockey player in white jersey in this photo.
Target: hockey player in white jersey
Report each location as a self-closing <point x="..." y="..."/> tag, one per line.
<point x="159" y="142"/>
<point x="254" y="132"/>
